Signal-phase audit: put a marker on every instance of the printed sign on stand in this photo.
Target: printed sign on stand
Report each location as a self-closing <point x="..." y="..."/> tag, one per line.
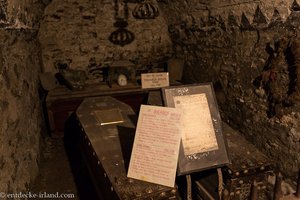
<point x="156" y="145"/>
<point x="155" y="80"/>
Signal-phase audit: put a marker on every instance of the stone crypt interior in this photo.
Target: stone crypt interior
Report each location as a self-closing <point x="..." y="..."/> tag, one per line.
<point x="55" y="53"/>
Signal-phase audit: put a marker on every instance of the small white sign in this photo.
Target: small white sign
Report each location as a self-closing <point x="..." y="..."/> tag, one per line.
<point x="156" y="145"/>
<point x="155" y="80"/>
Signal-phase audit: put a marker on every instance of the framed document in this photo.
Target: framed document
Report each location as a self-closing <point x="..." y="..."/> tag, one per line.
<point x="202" y="142"/>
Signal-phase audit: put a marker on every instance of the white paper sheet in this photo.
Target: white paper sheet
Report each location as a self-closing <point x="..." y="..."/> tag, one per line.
<point x="156" y="145"/>
<point x="198" y="134"/>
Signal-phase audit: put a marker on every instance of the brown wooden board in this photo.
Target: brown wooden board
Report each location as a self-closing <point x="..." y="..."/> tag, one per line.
<point x="248" y="165"/>
<point x="61" y="101"/>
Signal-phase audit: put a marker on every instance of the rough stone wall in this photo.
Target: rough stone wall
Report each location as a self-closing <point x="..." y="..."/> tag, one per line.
<point x="20" y="108"/>
<point x="16" y="14"/>
<point x="243" y="48"/>
<point x="20" y="123"/>
<point x="75" y="32"/>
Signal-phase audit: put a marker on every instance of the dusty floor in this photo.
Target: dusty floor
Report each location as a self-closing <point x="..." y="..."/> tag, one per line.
<point x="57" y="174"/>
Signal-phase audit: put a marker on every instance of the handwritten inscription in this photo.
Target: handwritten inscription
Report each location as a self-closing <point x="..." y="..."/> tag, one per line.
<point x="155" y="80"/>
<point x="156" y="145"/>
<point x="198" y="134"/>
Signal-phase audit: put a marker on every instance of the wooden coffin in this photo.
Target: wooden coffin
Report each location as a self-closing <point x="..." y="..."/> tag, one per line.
<point x="106" y="150"/>
<point x="61" y="102"/>
<point x="248" y="165"/>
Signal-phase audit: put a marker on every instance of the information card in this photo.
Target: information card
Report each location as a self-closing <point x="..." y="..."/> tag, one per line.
<point x="156" y="145"/>
<point x="155" y="80"/>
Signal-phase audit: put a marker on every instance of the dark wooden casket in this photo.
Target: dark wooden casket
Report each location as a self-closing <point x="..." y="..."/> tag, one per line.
<point x="107" y="149"/>
<point x="248" y="164"/>
<point x="61" y="102"/>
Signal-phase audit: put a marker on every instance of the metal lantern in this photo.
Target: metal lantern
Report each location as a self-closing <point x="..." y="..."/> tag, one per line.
<point x="121" y="36"/>
<point x="145" y="10"/>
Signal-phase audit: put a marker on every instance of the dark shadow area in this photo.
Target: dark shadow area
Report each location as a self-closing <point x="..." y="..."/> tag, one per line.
<point x="204" y="181"/>
<point x="290" y="58"/>
<point x="133" y="119"/>
<point x="80" y="172"/>
<point x="208" y="179"/>
<point x="42" y="96"/>
<point x="126" y="136"/>
<point x="133" y="100"/>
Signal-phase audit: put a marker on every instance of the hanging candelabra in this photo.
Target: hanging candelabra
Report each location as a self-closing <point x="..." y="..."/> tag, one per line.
<point x="121" y="36"/>
<point x="145" y="10"/>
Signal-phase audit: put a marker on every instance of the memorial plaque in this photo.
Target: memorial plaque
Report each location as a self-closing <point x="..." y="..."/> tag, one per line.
<point x="109" y="116"/>
<point x="202" y="144"/>
<point x="155" y="80"/>
<point x="156" y="145"/>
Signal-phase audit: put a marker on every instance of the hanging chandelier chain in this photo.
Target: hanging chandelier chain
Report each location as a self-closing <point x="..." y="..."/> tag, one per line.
<point x="116" y="7"/>
<point x="121" y="36"/>
<point x="126" y="10"/>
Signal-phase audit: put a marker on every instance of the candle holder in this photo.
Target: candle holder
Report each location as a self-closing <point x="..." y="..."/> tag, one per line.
<point x="121" y="36"/>
<point x="145" y="10"/>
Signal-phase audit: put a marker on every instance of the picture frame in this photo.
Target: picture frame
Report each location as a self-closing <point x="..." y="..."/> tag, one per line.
<point x="202" y="144"/>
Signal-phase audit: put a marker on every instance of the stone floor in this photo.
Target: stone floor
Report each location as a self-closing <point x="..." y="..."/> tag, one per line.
<point x="61" y="172"/>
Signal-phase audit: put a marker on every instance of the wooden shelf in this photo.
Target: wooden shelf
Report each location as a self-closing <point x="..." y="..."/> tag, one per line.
<point x="61" y="102"/>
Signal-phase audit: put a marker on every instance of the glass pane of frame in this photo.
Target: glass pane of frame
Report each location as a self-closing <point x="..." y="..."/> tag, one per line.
<point x="202" y="145"/>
